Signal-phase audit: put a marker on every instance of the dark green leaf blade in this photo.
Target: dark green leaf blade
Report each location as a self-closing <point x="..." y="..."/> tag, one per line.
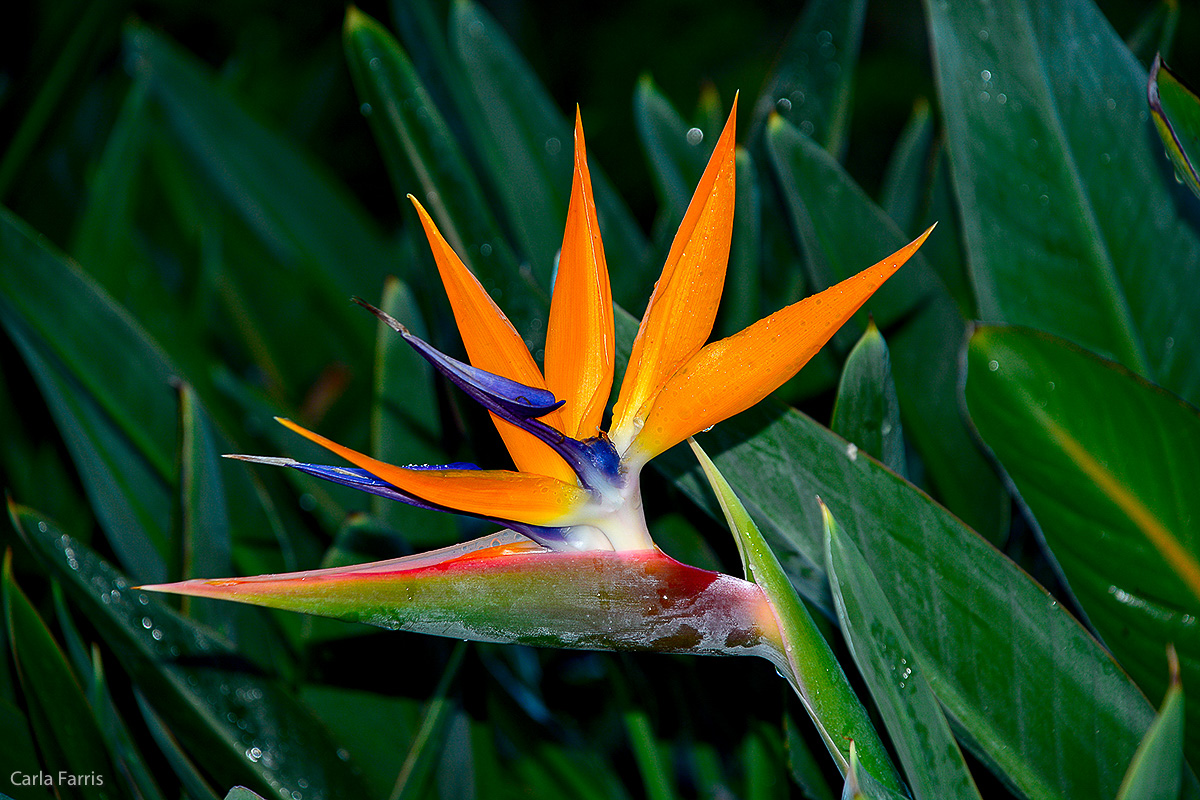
<point x="1108" y="483"/>
<point x="1155" y="772"/>
<point x="1176" y="112"/>
<point x="866" y="410"/>
<point x="885" y="657"/>
<point x="526" y="143"/>
<point x="1066" y="203"/>
<point x="811" y="83"/>
<point x="1000" y="640"/>
<point x="67" y="732"/>
<point x="842" y="232"/>
<point x="240" y="726"/>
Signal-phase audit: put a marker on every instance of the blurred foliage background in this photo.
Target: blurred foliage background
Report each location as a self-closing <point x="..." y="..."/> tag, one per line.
<point x="223" y="279"/>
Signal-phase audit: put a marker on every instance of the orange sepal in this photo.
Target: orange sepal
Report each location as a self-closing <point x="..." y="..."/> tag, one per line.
<point x="679" y="317"/>
<point x="579" y="337"/>
<point x="493" y="344"/>
<point x="730" y="375"/>
<point x="500" y="494"/>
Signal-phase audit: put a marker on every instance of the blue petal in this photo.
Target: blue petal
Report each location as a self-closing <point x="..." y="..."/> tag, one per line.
<point x="362" y="480"/>
<point x="502" y="395"/>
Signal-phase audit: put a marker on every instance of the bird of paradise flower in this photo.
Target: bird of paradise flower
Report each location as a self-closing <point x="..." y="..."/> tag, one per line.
<point x="576" y="566"/>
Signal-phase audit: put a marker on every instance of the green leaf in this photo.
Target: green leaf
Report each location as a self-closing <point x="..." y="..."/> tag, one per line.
<point x="866" y="411"/>
<point x="526" y="143"/>
<point x="886" y="658"/>
<point x="811" y="667"/>
<point x="1108" y="483"/>
<point x="843" y="232"/>
<point x="812" y="80"/>
<point x="676" y="156"/>
<point x="1176" y="111"/>
<point x="410" y="130"/>
<point x="241" y="793"/>
<point x="1155" y="772"/>
<point x="906" y="179"/>
<point x="108" y="387"/>
<point x="741" y="304"/>
<point x="861" y="786"/>
<point x="983" y="658"/>
<point x="239" y="726"/>
<point x="305" y="218"/>
<point x="65" y="726"/>
<point x="1069" y="224"/>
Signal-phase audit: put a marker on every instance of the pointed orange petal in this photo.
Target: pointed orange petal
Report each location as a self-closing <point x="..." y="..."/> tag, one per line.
<point x="679" y="317"/>
<point x="579" y="337"/>
<point x="730" y="375"/>
<point x="493" y="344"/>
<point x="517" y="496"/>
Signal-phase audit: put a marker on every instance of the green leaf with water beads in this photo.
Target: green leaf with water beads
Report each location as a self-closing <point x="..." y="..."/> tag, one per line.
<point x="888" y="662"/>
<point x="241" y="726"/>
<point x="813" y="670"/>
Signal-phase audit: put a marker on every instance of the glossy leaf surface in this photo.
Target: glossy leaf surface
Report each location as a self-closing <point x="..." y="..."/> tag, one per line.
<point x="1102" y="459"/>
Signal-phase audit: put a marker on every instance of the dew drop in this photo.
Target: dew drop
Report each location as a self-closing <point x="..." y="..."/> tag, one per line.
<point x="783" y="105"/>
<point x="553" y="146"/>
<point x="695" y="136"/>
<point x="365" y="109"/>
<point x="375" y="63"/>
<point x="1111" y="103"/>
<point x="985" y="75"/>
<point x="485" y="249"/>
<point x="993" y="365"/>
<point x="984" y="34"/>
<point x="852" y="451"/>
<point x="147" y="623"/>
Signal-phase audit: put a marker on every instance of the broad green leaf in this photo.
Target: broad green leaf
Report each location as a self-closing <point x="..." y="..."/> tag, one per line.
<point x="1067" y="208"/>
<point x="527" y="144"/>
<point x="65" y="727"/>
<point x="812" y="669"/>
<point x="1104" y="462"/>
<point x="991" y="639"/>
<point x="240" y="726"/>
<point x="932" y="761"/>
<point x="1155" y="772"/>
<point x="843" y="232"/>
<point x="866" y="411"/>
<point x="1176" y="111"/>
<point x="811" y="84"/>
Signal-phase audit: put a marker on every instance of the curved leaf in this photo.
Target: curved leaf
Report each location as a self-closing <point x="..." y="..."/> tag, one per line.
<point x="1066" y="201"/>
<point x="1110" y="484"/>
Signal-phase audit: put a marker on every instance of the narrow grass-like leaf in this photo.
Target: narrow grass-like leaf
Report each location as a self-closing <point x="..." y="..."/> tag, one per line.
<point x="241" y="727"/>
<point x="932" y="761"/>
<point x="527" y="144"/>
<point x="1155" y="772"/>
<point x="107" y="385"/>
<point x="840" y="230"/>
<point x="64" y="724"/>
<point x="307" y="220"/>
<point x="741" y="304"/>
<point x="410" y="130"/>
<point x="414" y="776"/>
<point x="1067" y="204"/>
<point x="1108" y="484"/>
<point x="812" y="80"/>
<point x="866" y="411"/>
<point x="676" y="156"/>
<point x="1176" y="112"/>
<point x="812" y="668"/>
<point x="906" y="179"/>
